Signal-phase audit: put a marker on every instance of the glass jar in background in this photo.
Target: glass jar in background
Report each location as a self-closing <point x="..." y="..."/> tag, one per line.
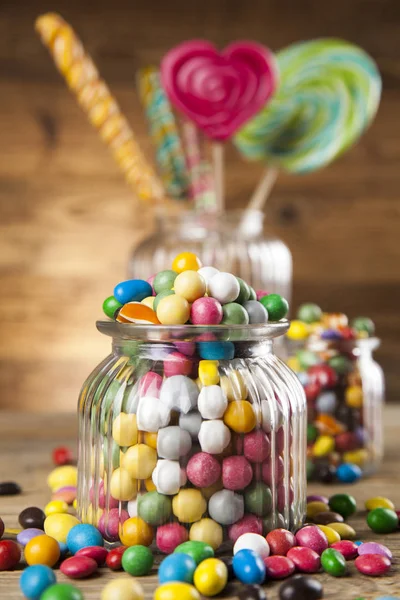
<point x="189" y="430"/>
<point x="344" y="387"/>
<point x="234" y="241"/>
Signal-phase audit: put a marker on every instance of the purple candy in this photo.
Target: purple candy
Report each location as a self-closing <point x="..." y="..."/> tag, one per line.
<point x="374" y="548"/>
<point x="187" y="348"/>
<point x="316" y="498"/>
<point x="67" y="488"/>
<point x="27" y="535"/>
<point x="331" y="334"/>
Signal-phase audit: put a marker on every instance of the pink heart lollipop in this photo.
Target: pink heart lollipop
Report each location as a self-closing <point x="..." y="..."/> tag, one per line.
<point x="219" y="91"/>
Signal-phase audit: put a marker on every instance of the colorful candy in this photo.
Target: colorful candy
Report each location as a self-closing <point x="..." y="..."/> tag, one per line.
<point x="42" y="550"/>
<point x="210" y="577"/>
<point x="62" y="591"/>
<point x="252" y="541"/>
<point x="10" y="555"/>
<point x="123" y="588"/>
<point x="137" y="560"/>
<point x="372" y="564"/>
<point x="333" y="562"/>
<point x="177" y="567"/>
<point x="249" y="567"/>
<point x="382" y="520"/>
<point x="78" y="567"/>
<point x="35" y="580"/>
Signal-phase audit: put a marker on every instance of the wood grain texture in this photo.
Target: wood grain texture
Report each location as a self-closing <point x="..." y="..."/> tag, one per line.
<point x="26" y="442"/>
<point x="67" y="220"/>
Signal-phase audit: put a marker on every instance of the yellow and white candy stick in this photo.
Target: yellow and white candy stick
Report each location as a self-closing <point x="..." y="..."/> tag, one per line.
<point x="96" y="99"/>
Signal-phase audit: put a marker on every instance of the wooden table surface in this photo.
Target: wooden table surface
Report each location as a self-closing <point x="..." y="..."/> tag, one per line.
<point x="26" y="442"/>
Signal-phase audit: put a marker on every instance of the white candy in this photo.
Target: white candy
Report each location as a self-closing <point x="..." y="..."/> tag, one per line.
<point x="207" y="273"/>
<point x="152" y="414"/>
<point x="252" y="541"/>
<point x="226" y="507"/>
<point x="132" y="508"/>
<point x="224" y="287"/>
<point x="214" y="436"/>
<point x="173" y="442"/>
<point x="168" y="477"/>
<point x="212" y="402"/>
<point x="271" y="419"/>
<point x="191" y="422"/>
<point x="179" y="393"/>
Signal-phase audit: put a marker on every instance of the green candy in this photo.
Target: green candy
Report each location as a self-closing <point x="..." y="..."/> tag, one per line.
<point x="160" y="296"/>
<point x="234" y="314"/>
<point x="62" y="591"/>
<point x="312" y="433"/>
<point x="307" y="359"/>
<point x="276" y="305"/>
<point x="333" y="562"/>
<point x="244" y="294"/>
<point x="199" y="551"/>
<point x="309" y="313"/>
<point x="253" y="295"/>
<point x="344" y="504"/>
<point x="258" y="499"/>
<point x="340" y="364"/>
<point x="310" y="469"/>
<point x="110" y="306"/>
<point x="154" y="508"/>
<point x="363" y="325"/>
<point x="137" y="560"/>
<point x="382" y="520"/>
<point x="164" y="280"/>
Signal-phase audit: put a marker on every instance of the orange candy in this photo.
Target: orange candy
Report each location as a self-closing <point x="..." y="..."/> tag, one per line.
<point x="136" y="312"/>
<point x="240" y="417"/>
<point x="42" y="550"/>
<point x="186" y="261"/>
<point x="135" y="531"/>
<point x="327" y="425"/>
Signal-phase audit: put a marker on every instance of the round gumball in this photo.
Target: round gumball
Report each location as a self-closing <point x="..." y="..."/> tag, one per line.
<point x="244" y="294"/>
<point x="177" y="364"/>
<point x="252" y="541"/>
<point x="226" y="507"/>
<point x="173" y="310"/>
<point x="256" y="446"/>
<point x="42" y="550"/>
<point x="206" y="311"/>
<point x="135" y="531"/>
<point x="170" y="536"/>
<point x="208" y="531"/>
<point x="247" y="524"/>
<point x="160" y="296"/>
<point x="277" y="306"/>
<point x="137" y="560"/>
<point x="199" y="551"/>
<point x="224" y="287"/>
<point x="212" y="402"/>
<point x="164" y="281"/>
<point x="186" y="261"/>
<point x="257" y="313"/>
<point x="203" y="469"/>
<point x="207" y="273"/>
<point x="333" y="562"/>
<point x="189" y="505"/>
<point x="234" y="314"/>
<point x="237" y="473"/>
<point x="190" y="285"/>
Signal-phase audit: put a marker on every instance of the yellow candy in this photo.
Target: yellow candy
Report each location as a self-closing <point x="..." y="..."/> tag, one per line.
<point x="240" y="417"/>
<point x="135" y="531"/>
<point x="58" y="526"/>
<point x="149" y="301"/>
<point x="198" y="383"/>
<point x="208" y="372"/>
<point x="150" y="439"/>
<point x="357" y="457"/>
<point x="294" y="364"/>
<point x="234" y="386"/>
<point x="97" y="464"/>
<point x="297" y="330"/>
<point x="122" y="486"/>
<point x="331" y="534"/>
<point x="55" y="507"/>
<point x="313" y="508"/>
<point x="379" y="502"/>
<point x="186" y="261"/>
<point x="123" y="588"/>
<point x="42" y="550"/>
<point x="354" y="396"/>
<point x="189" y="505"/>
<point x="149" y="485"/>
<point x="62" y="476"/>
<point x="140" y="461"/>
<point x="124" y="430"/>
<point x="75" y="504"/>
<point x="207" y="531"/>
<point x="324" y="445"/>
<point x="173" y="310"/>
<point x="175" y="591"/>
<point x="190" y="285"/>
<point x="211" y="577"/>
<point x="344" y="530"/>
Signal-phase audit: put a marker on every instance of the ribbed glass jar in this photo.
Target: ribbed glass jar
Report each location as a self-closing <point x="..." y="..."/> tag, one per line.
<point x="235" y="241"/>
<point x="191" y="431"/>
<point x="344" y="388"/>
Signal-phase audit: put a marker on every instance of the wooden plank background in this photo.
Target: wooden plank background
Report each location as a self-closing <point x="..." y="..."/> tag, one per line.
<point x="67" y="221"/>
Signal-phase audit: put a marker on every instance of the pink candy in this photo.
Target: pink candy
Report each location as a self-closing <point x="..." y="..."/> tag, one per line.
<point x="203" y="470"/>
<point x="236" y="473"/>
<point x="109" y="524"/>
<point x="150" y="384"/>
<point x="260" y="294"/>
<point x="372" y="564"/>
<point x="98" y="553"/>
<point x="113" y="503"/>
<point x="374" y="548"/>
<point x="78" y="567"/>
<point x="312" y="537"/>
<point x="169" y="536"/>
<point x="305" y="559"/>
<point x="177" y="364"/>
<point x="247" y="524"/>
<point x="256" y="446"/>
<point x="268" y="474"/>
<point x="279" y="567"/>
<point x="206" y="311"/>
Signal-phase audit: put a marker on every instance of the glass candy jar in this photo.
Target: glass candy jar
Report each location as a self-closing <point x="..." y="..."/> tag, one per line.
<point x="344" y="388"/>
<point x="233" y="241"/>
<point x="191" y="432"/>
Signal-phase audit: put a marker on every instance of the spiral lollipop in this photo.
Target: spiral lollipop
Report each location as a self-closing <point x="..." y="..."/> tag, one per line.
<point x="328" y="95"/>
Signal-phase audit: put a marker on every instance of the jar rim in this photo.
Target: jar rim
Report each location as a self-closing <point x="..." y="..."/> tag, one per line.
<point x="370" y="343"/>
<point x="173" y="333"/>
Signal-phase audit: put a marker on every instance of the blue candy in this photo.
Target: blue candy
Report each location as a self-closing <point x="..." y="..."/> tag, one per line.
<point x="348" y="473"/>
<point x="216" y="350"/>
<point x="83" y="535"/>
<point x="35" y="580"/>
<point x="63" y="549"/>
<point x="177" y="567"/>
<point x="132" y="290"/>
<point x="387" y="598"/>
<point x="358" y="542"/>
<point x="248" y="567"/>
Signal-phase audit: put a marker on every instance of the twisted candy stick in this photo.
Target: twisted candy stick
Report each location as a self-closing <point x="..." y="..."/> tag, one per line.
<point x="164" y="132"/>
<point x="95" y="98"/>
<point x="329" y="93"/>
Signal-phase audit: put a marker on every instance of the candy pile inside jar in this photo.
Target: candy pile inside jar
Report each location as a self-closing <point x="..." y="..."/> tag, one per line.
<point x="323" y="351"/>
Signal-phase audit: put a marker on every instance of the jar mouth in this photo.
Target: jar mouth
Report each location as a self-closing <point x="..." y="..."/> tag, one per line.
<point x="194" y="333"/>
<point x="364" y="344"/>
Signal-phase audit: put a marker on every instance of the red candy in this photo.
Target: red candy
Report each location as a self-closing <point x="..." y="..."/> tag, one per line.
<point x="203" y="470"/>
<point x="236" y="473"/>
<point x="247" y="524"/>
<point x="312" y="537"/>
<point x="312" y="391"/>
<point x="323" y="375"/>
<point x="346" y="547"/>
<point x="114" y="558"/>
<point x="98" y="553"/>
<point x="169" y="536"/>
<point x="62" y="456"/>
<point x="206" y="311"/>
<point x="280" y="541"/>
<point x="279" y="567"/>
<point x="177" y="364"/>
<point x="346" y="441"/>
<point x="78" y="567"/>
<point x="256" y="446"/>
<point x="150" y="384"/>
<point x="10" y="555"/>
<point x="268" y="473"/>
<point x="305" y="559"/>
<point x="372" y="564"/>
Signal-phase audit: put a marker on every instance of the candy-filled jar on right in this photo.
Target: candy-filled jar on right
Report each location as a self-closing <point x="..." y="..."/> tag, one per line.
<point x="344" y="387"/>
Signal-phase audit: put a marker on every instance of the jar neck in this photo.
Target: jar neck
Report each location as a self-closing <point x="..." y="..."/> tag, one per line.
<point x="357" y="347"/>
